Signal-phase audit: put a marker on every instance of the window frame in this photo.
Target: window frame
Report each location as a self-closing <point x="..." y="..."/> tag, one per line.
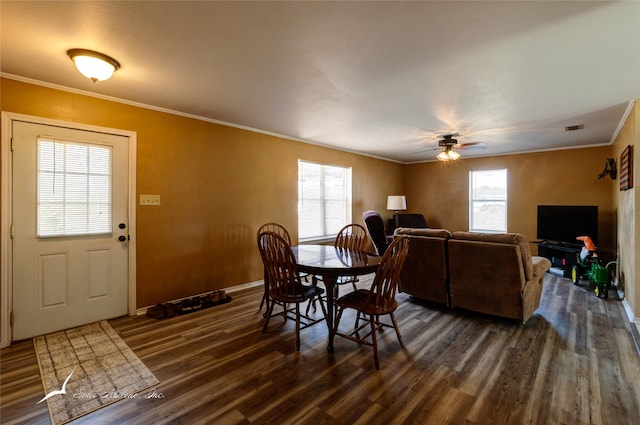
<point x="495" y="200"/>
<point x="347" y="198"/>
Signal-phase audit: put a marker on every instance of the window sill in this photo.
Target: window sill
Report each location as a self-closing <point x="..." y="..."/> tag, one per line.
<point x="321" y="240"/>
<point x="487" y="231"/>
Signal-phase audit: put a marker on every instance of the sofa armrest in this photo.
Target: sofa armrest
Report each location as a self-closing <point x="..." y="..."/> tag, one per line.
<point x="532" y="290"/>
<point x="540" y="265"/>
<point x="428" y="232"/>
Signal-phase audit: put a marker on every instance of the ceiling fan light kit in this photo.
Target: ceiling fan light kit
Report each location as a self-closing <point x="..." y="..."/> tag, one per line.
<point x="448" y="143"/>
<point x="448" y="155"/>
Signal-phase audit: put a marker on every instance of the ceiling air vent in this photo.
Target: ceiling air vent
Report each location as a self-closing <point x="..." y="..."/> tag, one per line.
<point x="574" y="127"/>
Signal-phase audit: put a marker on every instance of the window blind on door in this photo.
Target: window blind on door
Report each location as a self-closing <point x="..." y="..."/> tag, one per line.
<point x="74" y="188"/>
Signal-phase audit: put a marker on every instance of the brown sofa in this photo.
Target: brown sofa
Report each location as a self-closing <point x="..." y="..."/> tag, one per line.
<point x="488" y="273"/>
<point x="495" y="274"/>
<point x="425" y="273"/>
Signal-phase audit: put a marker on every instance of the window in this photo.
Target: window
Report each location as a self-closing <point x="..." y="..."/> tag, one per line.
<point x="324" y="199"/>
<point x="488" y="201"/>
<point x="74" y="188"/>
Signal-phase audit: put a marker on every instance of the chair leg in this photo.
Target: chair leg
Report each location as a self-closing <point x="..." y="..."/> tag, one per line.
<point x="374" y="341"/>
<point x="265" y="301"/>
<point x="324" y="310"/>
<point x="312" y="301"/>
<point x="314" y="282"/>
<point x="357" y="324"/>
<point x="269" y="312"/>
<point x="265" y="294"/>
<point x="297" y="327"/>
<point x="395" y="325"/>
<point x="336" y="322"/>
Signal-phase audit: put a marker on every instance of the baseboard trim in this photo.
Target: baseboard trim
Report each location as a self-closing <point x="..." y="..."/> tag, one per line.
<point x="143" y="310"/>
<point x="635" y="334"/>
<point x="245" y="286"/>
<point x="634" y="321"/>
<point x="628" y="310"/>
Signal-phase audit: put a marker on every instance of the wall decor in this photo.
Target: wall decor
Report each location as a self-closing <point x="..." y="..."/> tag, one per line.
<point x="626" y="168"/>
<point x="609" y="170"/>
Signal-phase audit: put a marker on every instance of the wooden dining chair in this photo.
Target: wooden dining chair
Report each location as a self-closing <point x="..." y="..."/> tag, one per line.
<point x="351" y="236"/>
<point x="377" y="301"/>
<point x="285" y="285"/>
<point x="278" y="229"/>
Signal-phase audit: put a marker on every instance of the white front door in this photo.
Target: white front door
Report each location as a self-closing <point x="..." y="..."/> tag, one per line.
<point x="70" y="231"/>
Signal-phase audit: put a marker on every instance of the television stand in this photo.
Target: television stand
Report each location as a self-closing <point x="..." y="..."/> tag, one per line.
<point x="563" y="256"/>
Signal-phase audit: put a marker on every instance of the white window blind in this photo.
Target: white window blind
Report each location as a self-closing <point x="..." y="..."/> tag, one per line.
<point x="488" y="201"/>
<point x="74" y="188"/>
<point x="324" y="199"/>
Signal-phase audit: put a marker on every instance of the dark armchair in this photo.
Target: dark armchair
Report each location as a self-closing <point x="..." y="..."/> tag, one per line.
<point x="411" y="221"/>
<point x="375" y="227"/>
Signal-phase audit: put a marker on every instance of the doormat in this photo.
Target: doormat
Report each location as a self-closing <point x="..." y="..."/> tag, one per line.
<point x="86" y="368"/>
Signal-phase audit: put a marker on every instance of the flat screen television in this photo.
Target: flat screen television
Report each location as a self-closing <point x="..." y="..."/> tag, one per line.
<point x="563" y="223"/>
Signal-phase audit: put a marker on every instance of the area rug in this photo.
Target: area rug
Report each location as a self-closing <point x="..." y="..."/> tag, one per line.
<point x="84" y="369"/>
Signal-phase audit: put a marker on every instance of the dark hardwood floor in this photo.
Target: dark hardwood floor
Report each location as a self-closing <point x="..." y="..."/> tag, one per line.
<point x="573" y="362"/>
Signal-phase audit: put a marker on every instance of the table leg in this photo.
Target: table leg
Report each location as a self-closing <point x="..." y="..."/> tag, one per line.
<point x="329" y="284"/>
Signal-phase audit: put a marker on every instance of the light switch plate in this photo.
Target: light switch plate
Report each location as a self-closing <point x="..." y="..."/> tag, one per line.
<point x="149" y="199"/>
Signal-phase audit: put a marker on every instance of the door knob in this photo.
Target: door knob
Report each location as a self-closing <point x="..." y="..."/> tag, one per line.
<point x="122" y="238"/>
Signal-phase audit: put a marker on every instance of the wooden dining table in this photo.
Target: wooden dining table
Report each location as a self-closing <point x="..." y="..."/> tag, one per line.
<point x="330" y="263"/>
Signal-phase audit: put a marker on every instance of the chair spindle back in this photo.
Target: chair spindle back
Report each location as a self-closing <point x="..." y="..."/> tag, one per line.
<point x="352" y="236"/>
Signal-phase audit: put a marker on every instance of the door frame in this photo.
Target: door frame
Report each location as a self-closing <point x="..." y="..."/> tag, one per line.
<point x="6" y="247"/>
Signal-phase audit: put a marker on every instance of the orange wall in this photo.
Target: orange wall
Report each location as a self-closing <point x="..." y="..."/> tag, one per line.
<point x="217" y="184"/>
<point x="563" y="177"/>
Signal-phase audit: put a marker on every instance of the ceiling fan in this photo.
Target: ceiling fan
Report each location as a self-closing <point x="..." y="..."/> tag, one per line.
<point x="450" y="147"/>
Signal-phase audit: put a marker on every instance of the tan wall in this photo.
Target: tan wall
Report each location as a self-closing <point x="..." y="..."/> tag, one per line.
<point x="217" y="185"/>
<point x="564" y="177"/>
<point x="626" y="206"/>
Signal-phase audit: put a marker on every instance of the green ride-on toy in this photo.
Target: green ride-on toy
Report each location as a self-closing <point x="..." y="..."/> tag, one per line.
<point x="589" y="267"/>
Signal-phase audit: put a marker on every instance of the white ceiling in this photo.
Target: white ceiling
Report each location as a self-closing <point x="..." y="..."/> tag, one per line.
<point x="380" y="78"/>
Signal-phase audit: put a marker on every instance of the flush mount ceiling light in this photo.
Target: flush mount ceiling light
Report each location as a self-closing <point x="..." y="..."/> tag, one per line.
<point x="94" y="65"/>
